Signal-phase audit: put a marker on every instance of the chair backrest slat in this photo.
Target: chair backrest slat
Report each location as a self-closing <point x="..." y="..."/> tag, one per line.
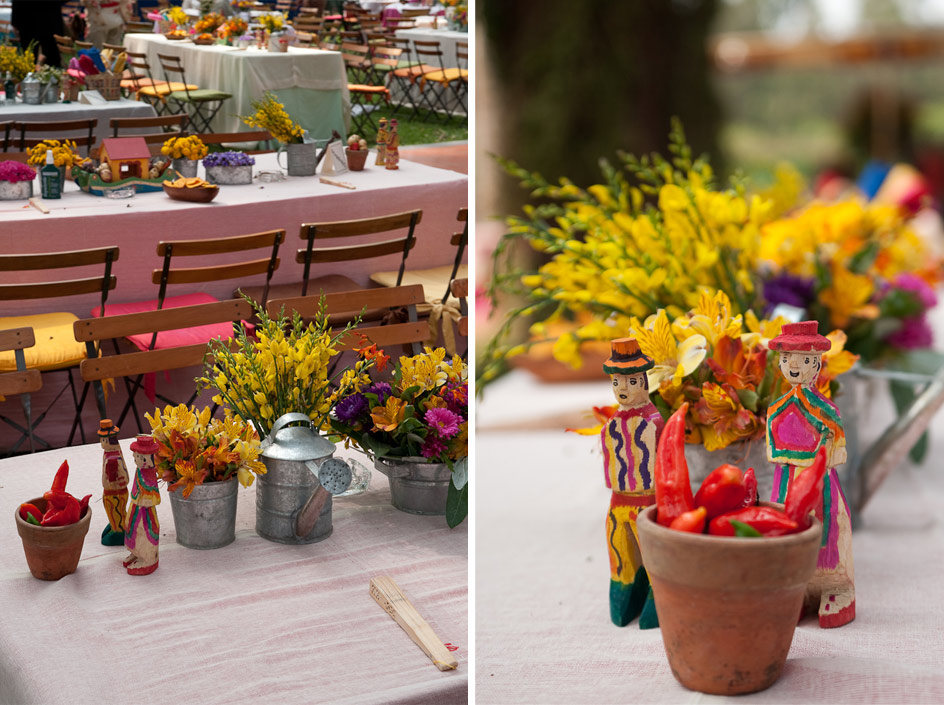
<point x="17" y="338"/>
<point x="56" y="260"/>
<point x="215" y="273"/>
<point x="385" y="336"/>
<point x="342" y="302"/>
<point x="73" y="287"/>
<point x="129" y="364"/>
<point x="123" y="325"/>
<point x="352" y="252"/>
<point x="460" y="288"/>
<point x="365" y="226"/>
<point x="20" y="382"/>
<point x="236" y="243"/>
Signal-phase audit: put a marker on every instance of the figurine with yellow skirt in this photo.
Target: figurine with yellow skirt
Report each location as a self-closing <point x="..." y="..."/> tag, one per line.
<point x="629" y="440"/>
<point x="114" y="484"/>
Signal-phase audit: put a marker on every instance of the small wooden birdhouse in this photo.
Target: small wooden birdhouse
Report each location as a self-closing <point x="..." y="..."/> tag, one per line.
<point x="127" y="157"/>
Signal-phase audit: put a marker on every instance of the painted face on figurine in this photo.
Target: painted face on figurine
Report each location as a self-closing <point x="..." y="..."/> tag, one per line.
<point x="631" y="391"/>
<point x="800" y="367"/>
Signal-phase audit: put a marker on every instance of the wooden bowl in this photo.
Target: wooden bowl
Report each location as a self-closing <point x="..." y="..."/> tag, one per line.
<point x="194" y="195"/>
<point x="204" y="42"/>
<point x="175" y="37"/>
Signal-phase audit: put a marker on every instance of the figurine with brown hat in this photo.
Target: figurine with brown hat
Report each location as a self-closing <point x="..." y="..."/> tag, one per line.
<point x="798" y="424"/>
<point x="114" y="484"/>
<point x="629" y="440"/>
<point x="143" y="530"/>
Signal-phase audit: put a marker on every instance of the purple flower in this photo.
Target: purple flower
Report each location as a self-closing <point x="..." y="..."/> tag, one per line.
<point x="914" y="333"/>
<point x="917" y="286"/>
<point x="228" y="159"/>
<point x="433" y="447"/>
<point x="381" y="389"/>
<point x="351" y="408"/>
<point x="443" y="422"/>
<point x="788" y="289"/>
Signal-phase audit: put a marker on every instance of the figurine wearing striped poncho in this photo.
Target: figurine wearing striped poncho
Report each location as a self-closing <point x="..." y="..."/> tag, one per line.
<point x="798" y="424"/>
<point x="629" y="441"/>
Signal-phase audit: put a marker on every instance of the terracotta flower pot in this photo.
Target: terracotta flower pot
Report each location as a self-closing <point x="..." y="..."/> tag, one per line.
<point x="727" y="606"/>
<point x="52" y="552"/>
<point x="356" y="158"/>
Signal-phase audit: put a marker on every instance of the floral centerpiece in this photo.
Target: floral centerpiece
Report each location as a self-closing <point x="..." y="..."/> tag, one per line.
<point x="241" y="4"/>
<point x="209" y="22"/>
<point x="457" y="14"/>
<point x="272" y="22"/>
<point x="270" y="115"/>
<point x="229" y="167"/>
<point x="421" y="413"/>
<point x="18" y="62"/>
<point x="64" y="154"/>
<point x="185" y="151"/>
<point x="232" y="28"/>
<point x="195" y="448"/>
<point x="175" y="16"/>
<point x="16" y="181"/>
<point x="52" y="79"/>
<point x="284" y="368"/>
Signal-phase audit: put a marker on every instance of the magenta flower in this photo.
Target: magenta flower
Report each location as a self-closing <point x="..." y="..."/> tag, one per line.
<point x="914" y="333"/>
<point x="433" y="447"/>
<point x="916" y="285"/>
<point x="443" y="422"/>
<point x="14" y="172"/>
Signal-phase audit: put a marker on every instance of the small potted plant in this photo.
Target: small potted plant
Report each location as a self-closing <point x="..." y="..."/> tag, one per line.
<point x="186" y="152"/>
<point x="416" y="430"/>
<point x="51" y="79"/>
<point x="270" y="115"/>
<point x="229" y="167"/>
<point x="64" y="156"/>
<point x="53" y="529"/>
<point x="16" y="181"/>
<point x="356" y="152"/>
<point x="201" y="458"/>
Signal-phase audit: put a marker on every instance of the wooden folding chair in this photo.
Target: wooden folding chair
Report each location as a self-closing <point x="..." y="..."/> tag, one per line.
<point x="170" y="274"/>
<point x="460" y="289"/>
<point x="201" y="104"/>
<point x="55" y="350"/>
<point x="93" y="331"/>
<point x="364" y="93"/>
<point x="435" y="86"/>
<point x="22" y="381"/>
<point x="347" y="305"/>
<point x="359" y="246"/>
<point x="57" y="128"/>
<point x="140" y="82"/>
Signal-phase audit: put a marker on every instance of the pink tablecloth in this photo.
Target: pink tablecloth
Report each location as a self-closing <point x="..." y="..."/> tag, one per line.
<point x="543" y="633"/>
<point x="252" y="622"/>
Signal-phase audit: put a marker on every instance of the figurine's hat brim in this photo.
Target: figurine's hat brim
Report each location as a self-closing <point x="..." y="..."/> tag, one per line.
<point x="800" y="337"/>
<point x="145" y="445"/>
<point x="626" y="358"/>
<point x="107" y="428"/>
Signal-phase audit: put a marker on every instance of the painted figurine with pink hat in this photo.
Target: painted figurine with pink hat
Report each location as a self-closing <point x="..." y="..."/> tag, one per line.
<point x="143" y="531"/>
<point x="629" y="441"/>
<point x="798" y="424"/>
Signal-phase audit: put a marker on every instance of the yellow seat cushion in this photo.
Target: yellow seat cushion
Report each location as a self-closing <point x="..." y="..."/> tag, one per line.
<point x="55" y="348"/>
<point x="434" y="280"/>
<point x="159" y="91"/>
<point x="446" y="76"/>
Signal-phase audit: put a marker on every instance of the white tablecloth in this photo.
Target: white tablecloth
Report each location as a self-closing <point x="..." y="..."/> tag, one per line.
<point x="447" y="39"/>
<point x="56" y="112"/>
<point x="311" y="83"/>
<point x="543" y="633"/>
<point x="250" y="622"/>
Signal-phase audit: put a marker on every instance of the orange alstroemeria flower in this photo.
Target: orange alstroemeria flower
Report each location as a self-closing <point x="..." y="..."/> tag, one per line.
<point x="389" y="416"/>
<point x="736" y="365"/>
<point x="602" y="414"/>
<point x="369" y="351"/>
<point x="721" y="417"/>
<point x="189" y="478"/>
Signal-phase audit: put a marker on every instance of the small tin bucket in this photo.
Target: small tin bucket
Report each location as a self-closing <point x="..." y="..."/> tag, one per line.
<point x="207" y="518"/>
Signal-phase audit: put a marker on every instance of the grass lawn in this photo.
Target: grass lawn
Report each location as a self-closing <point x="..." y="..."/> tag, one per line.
<point x="418" y="131"/>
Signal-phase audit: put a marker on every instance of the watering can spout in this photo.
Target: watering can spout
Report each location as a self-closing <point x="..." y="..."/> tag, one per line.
<point x="334" y="477"/>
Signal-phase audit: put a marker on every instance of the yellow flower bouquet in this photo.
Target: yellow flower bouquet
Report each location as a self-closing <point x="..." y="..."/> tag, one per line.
<point x="281" y="366"/>
<point x="270" y="115"/>
<point x="64" y="154"/>
<point x="194" y="448"/>
<point x="272" y="22"/>
<point x="17" y="62"/>
<point x="191" y="147"/>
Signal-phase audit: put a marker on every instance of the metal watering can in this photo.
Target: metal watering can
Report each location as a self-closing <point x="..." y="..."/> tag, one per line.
<point x="293" y="499"/>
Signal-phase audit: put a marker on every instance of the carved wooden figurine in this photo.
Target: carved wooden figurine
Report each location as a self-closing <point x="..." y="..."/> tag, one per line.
<point x="382" y="136"/>
<point x="393" y="146"/>
<point x="798" y="424"/>
<point x="629" y="441"/>
<point x="143" y="531"/>
<point x="114" y="485"/>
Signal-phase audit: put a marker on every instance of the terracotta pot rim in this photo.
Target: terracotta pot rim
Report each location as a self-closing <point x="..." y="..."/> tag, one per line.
<point x="685" y="537"/>
<point x="85" y="518"/>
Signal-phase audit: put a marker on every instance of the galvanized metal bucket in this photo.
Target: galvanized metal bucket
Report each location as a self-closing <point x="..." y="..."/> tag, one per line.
<point x="293" y="505"/>
<point x="416" y="485"/>
<point x="302" y="158"/>
<point x="207" y="518"/>
<point x="186" y="167"/>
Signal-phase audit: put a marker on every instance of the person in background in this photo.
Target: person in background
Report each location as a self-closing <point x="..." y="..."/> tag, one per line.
<point x="106" y="20"/>
<point x="39" y="21"/>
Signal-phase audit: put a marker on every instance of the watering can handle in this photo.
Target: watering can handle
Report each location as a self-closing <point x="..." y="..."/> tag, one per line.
<point x="283" y="421"/>
<point x="278" y="160"/>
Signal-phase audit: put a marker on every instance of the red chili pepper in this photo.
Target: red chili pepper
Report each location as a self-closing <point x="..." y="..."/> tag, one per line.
<point x="722" y="491"/>
<point x="63" y="509"/>
<point x="62" y="477"/>
<point x="806" y="491"/>
<point x="30" y="513"/>
<point x="750" y="486"/>
<point x="673" y="490"/>
<point x="767" y="520"/>
<point x="693" y="521"/>
<point x="83" y="505"/>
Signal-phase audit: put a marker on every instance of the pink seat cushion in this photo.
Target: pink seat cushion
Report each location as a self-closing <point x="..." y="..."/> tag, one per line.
<point x="171" y="338"/>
